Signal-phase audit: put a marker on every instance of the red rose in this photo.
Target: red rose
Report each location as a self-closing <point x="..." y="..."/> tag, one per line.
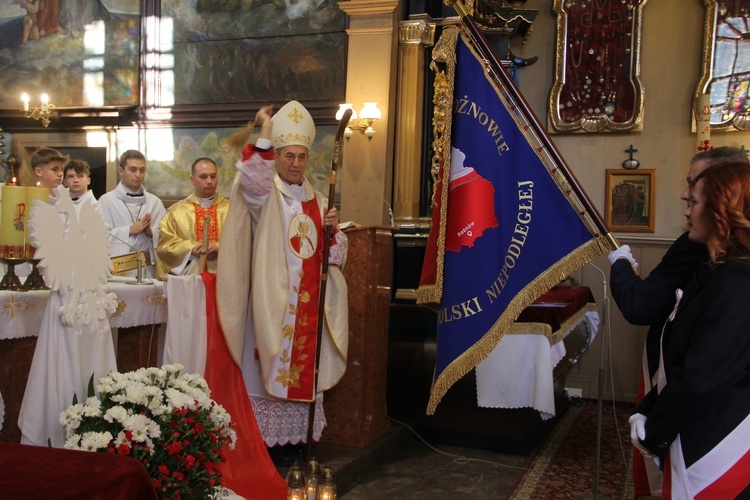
<point x="164" y="470"/>
<point x="124" y="449"/>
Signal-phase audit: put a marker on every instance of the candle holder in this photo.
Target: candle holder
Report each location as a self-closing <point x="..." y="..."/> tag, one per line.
<point x="296" y="484"/>
<point x="41" y="113"/>
<point x="10" y="281"/>
<point x="35" y="280"/>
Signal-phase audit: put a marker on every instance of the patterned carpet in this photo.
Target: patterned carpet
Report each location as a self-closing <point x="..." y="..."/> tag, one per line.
<point x="565" y="466"/>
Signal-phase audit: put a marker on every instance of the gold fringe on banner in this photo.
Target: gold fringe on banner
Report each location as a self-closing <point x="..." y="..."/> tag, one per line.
<point x="544" y="282"/>
<point x="444" y="53"/>
<point x="545" y="329"/>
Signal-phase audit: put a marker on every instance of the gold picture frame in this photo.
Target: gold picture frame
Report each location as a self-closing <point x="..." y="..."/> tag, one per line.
<point x="597" y="86"/>
<point x="725" y="30"/>
<point x="629" y="200"/>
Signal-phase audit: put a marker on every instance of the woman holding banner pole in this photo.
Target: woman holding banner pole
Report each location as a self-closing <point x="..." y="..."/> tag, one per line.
<point x="695" y="423"/>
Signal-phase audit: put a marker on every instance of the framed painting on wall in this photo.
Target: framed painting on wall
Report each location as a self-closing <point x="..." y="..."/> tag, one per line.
<point x="629" y="200"/>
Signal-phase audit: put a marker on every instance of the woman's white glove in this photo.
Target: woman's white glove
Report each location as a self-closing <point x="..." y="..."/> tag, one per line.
<point x="622" y="253"/>
<point x="638" y="432"/>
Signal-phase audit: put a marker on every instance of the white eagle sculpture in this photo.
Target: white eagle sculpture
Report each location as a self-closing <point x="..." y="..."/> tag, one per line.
<point x="74" y="257"/>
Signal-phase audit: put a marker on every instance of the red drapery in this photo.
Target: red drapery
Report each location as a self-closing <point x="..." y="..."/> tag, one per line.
<point x="248" y="470"/>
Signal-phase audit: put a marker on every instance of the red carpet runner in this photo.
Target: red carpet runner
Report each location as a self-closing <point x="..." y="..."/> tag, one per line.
<point x="248" y="470"/>
<point x="565" y="465"/>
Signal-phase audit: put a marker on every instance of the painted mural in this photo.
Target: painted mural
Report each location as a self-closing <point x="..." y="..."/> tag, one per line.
<point x="256" y="51"/>
<point x="79" y="52"/>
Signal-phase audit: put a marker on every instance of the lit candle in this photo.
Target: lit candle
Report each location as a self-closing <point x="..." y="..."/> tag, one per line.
<point x="33" y="193"/>
<point x="13" y="220"/>
<point x="25" y="99"/>
<point x="45" y="100"/>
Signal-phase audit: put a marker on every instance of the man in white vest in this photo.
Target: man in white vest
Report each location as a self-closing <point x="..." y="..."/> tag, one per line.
<point x="268" y="284"/>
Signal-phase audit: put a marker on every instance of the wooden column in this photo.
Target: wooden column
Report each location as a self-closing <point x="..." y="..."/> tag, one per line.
<point x="356" y="407"/>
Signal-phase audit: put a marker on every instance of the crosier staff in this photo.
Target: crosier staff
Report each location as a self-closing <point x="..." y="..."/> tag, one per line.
<point x="324" y="272"/>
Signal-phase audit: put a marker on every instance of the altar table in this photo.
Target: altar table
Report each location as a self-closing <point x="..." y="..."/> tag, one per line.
<point x="140" y="309"/>
<point x="21" y="312"/>
<point x="518" y="373"/>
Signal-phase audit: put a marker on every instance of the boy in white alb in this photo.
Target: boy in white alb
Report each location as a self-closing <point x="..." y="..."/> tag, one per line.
<point x="77" y="178"/>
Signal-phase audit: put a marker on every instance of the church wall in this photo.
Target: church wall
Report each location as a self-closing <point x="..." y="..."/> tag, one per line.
<point x="670" y="69"/>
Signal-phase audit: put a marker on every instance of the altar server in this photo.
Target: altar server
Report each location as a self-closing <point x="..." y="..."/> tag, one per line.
<point x="132" y="214"/>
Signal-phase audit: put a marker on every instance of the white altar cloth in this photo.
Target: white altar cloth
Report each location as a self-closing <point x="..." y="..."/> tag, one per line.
<point x="21" y="312"/>
<point x="508" y="379"/>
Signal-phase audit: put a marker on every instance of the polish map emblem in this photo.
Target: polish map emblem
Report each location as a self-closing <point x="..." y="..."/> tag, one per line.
<point x="472" y="205"/>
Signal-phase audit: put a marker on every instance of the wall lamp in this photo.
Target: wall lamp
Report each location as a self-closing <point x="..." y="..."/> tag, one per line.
<point x="42" y="112"/>
<point x="367" y="116"/>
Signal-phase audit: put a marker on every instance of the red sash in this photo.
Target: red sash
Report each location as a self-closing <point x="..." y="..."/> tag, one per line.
<point x="306" y="324"/>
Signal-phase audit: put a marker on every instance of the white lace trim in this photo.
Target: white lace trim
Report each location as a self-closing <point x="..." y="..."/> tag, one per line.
<point x="285" y="422"/>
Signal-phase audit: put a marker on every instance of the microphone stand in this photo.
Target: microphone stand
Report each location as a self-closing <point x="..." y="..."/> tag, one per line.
<point x="600" y="399"/>
<point x="141" y="265"/>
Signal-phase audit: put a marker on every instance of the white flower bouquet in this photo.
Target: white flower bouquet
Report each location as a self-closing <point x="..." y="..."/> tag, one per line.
<point x="166" y="420"/>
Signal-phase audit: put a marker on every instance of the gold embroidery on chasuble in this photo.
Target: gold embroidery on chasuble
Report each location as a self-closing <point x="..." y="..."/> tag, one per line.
<point x="298" y="357"/>
<point x="213" y="228"/>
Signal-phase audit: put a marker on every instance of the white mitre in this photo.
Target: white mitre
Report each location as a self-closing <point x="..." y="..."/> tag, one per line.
<point x="293" y="126"/>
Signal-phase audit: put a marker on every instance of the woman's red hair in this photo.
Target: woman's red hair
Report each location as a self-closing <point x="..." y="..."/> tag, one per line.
<point x="726" y="187"/>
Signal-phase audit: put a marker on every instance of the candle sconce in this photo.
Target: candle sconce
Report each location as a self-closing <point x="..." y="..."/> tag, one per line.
<point x="10" y="161"/>
<point x="43" y="112"/>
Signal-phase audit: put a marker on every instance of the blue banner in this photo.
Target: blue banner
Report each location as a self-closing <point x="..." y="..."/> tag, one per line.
<point x="508" y="231"/>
